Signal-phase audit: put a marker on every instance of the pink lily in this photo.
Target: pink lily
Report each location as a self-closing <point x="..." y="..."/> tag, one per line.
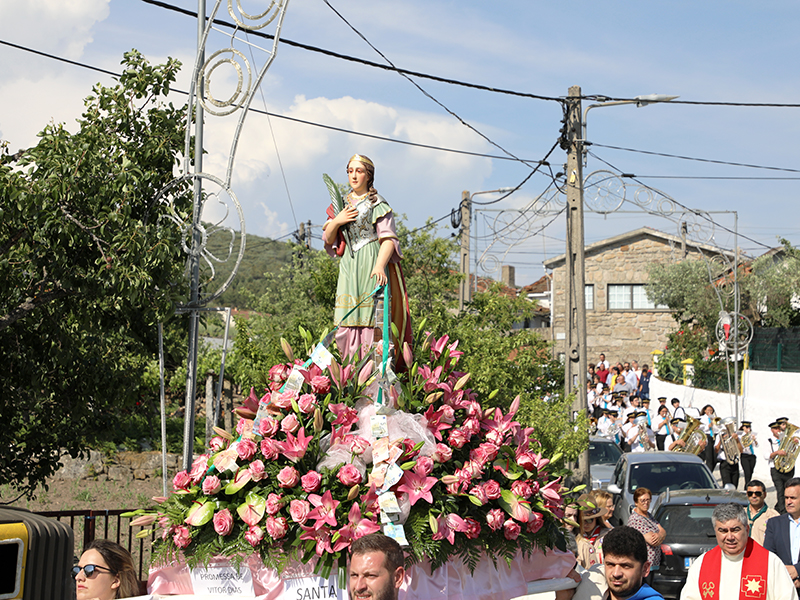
<point x="447" y="527"/>
<point x="294" y="448"/>
<point x="551" y="491"/>
<point x="344" y="414"/>
<point x="435" y="423"/>
<point x="356" y="527"/>
<point x="321" y="536"/>
<point x="417" y="487"/>
<point x="325" y="511"/>
<point x="339" y="374"/>
<point x="438" y="346"/>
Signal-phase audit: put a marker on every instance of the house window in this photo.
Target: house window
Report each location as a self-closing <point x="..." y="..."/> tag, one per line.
<point x="589" y="296"/>
<point x="630" y="297"/>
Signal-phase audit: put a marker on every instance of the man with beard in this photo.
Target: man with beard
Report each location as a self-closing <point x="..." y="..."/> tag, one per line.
<point x="737" y="567"/>
<point x="376" y="568"/>
<point x="626" y="566"/>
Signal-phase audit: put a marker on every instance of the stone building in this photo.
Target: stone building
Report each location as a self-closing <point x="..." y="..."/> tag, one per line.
<point x="620" y="321"/>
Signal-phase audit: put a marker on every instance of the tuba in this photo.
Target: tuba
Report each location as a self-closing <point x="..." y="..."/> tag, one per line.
<point x="791" y="445"/>
<point x="729" y="445"/>
<point x="692" y="437"/>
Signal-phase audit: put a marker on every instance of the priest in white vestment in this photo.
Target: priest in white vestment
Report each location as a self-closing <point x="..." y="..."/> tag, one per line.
<point x="738" y="568"/>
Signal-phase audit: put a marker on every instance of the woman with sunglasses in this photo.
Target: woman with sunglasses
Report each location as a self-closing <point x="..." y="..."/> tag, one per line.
<point x="105" y="571"/>
<point x="758" y="513"/>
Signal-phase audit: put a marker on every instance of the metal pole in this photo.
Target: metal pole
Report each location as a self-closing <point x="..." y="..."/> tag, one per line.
<point x="221" y="383"/>
<point x="736" y="306"/>
<point x="194" y="261"/>
<point x="575" y="365"/>
<point x="464" y="289"/>
<point x="163" y="409"/>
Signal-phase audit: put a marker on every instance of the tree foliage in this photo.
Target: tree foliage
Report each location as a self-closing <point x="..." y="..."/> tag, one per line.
<point x="773" y="287"/>
<point x="87" y="268"/>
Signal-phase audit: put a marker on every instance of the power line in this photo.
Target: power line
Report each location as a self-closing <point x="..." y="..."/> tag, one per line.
<point x="698" y="213"/>
<point x="284" y="117"/>
<point x="362" y="61"/>
<point x="599" y="98"/>
<point x="692" y="158"/>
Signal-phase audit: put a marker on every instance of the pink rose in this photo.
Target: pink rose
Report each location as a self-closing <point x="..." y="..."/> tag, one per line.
<point x="457" y="438"/>
<point x="349" y="475"/>
<point x="211" y="485"/>
<point x="474" y="409"/>
<point x="522" y="488"/>
<point x="257" y="470"/>
<point x="299" y="509"/>
<point x="495" y="519"/>
<point x="240" y="425"/>
<point x="492" y="489"/>
<point x="472" y="426"/>
<point x="311" y="481"/>
<point x="409" y="451"/>
<point x="181" y="480"/>
<point x="473" y="528"/>
<point x="480" y="494"/>
<point x="424" y="466"/>
<point x="284" y="399"/>
<point x="254" y="535"/>
<point x="290" y="424"/>
<point x="306" y="403"/>
<point x="535" y="522"/>
<point x="443" y="453"/>
<point x="478" y="456"/>
<point x="267" y="427"/>
<point x="277" y="527"/>
<point x="269" y="449"/>
<point x="525" y="461"/>
<point x="490" y="450"/>
<point x="223" y="522"/>
<point x="274" y="504"/>
<point x="246" y="449"/>
<point x="288" y="477"/>
<point x="279" y="373"/>
<point x="511" y="529"/>
<point x="217" y="443"/>
<point x="358" y="445"/>
<point x="495" y="437"/>
<point x="448" y="414"/>
<point x="321" y="384"/>
<point x="181" y="537"/>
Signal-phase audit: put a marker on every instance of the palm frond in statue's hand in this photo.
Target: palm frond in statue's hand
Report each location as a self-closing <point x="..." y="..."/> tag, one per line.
<point x="337" y="202"/>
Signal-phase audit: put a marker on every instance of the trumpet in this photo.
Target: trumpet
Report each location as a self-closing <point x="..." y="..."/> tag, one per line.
<point x="730" y="446"/>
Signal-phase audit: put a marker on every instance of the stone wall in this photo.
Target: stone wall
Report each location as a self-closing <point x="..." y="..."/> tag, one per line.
<point x="620" y="334"/>
<point x="124" y="466"/>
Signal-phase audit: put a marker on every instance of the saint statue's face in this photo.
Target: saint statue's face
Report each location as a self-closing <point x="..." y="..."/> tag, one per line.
<point x="357" y="176"/>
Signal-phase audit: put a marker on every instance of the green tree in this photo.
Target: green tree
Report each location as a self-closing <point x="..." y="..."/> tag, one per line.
<point x="87" y="269"/>
<point x="773" y="287"/>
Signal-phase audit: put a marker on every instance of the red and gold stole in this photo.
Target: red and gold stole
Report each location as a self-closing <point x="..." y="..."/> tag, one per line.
<point x="753" y="583"/>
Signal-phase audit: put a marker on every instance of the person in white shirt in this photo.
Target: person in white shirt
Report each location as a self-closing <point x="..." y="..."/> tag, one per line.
<point x="737" y="565"/>
<point x="631" y="378"/>
<point x="748" y="452"/>
<point x="677" y="410"/>
<point x="661" y="426"/>
<point x="772" y="449"/>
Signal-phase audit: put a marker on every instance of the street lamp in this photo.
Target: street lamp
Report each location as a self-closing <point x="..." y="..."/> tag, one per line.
<point x="464" y="289"/>
<point x="639" y="101"/>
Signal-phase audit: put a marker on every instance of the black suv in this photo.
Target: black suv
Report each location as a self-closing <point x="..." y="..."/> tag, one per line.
<point x="686" y="517"/>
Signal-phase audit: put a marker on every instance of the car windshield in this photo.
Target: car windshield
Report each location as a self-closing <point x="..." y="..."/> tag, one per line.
<point x="658" y="476"/>
<point x="687" y="524"/>
<point x="603" y="453"/>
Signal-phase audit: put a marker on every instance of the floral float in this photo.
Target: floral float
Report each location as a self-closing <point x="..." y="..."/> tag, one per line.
<point x="321" y="465"/>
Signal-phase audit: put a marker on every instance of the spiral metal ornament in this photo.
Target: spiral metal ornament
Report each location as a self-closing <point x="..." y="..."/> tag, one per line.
<point x="603" y="192"/>
<point x="197" y="235"/>
<point x="217" y="107"/>
<point x="256" y="21"/>
<point x="744" y="332"/>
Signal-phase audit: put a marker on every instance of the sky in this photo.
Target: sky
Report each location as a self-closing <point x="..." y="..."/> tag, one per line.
<point x="712" y="55"/>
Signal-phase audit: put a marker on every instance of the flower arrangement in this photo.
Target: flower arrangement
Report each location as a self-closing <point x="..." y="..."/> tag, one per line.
<point x="312" y="474"/>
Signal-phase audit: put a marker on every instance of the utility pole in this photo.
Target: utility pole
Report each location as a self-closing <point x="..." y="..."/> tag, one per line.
<point x="575" y="364"/>
<point x="464" y="288"/>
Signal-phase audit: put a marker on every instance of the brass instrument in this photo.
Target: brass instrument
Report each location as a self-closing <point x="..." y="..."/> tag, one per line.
<point x="791" y="445"/>
<point x="692" y="437"/>
<point x="644" y="439"/>
<point x="745" y="438"/>
<point x="729" y="445"/>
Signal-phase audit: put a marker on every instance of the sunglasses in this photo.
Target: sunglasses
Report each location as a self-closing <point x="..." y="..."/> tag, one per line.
<point x="756" y="494"/>
<point x="89" y="570"/>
